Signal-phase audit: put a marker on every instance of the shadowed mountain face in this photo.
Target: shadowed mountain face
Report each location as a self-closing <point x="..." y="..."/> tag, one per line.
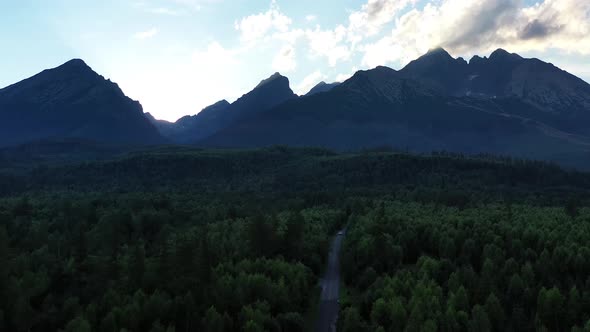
<point x="560" y="98"/>
<point x="266" y="95"/>
<point x="429" y="105"/>
<point x="72" y="101"/>
<point x="186" y="129"/>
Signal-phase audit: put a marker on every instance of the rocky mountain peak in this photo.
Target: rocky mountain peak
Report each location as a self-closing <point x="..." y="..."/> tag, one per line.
<point x="503" y="55"/>
<point x="274" y="78"/>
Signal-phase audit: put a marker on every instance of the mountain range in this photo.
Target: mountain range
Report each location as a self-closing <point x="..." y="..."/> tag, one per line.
<point x="501" y="104"/>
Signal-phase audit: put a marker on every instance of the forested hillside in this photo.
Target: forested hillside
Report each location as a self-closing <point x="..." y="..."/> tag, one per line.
<point x="179" y="239"/>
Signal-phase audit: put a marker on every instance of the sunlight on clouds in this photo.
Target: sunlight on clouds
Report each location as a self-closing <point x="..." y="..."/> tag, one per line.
<point x="373" y="16"/>
<point x="328" y="43"/>
<point x="378" y="32"/>
<point x="284" y="61"/>
<point x="255" y="28"/>
<point x="465" y="27"/>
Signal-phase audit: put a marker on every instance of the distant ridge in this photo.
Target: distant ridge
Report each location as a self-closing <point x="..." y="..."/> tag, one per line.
<point x="503" y="104"/>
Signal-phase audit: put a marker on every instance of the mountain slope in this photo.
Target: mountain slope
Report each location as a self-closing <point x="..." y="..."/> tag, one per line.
<point x="385" y="107"/>
<point x="267" y="94"/>
<point x="72" y="101"/>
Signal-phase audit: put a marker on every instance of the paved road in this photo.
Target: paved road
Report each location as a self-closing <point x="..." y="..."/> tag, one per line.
<point x="328" y="309"/>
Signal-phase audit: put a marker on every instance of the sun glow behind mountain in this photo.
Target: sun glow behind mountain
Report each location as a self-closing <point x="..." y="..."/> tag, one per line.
<point x="178" y="56"/>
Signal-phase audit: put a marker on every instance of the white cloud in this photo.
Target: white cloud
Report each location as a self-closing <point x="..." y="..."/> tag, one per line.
<point x="309" y="82"/>
<point x="146" y="34"/>
<point x="255" y="28"/>
<point x="290" y="37"/>
<point x="375" y="14"/>
<point x="311" y="18"/>
<point x="285" y="61"/>
<point x="381" y="52"/>
<point x="215" y="57"/>
<point x="329" y="44"/>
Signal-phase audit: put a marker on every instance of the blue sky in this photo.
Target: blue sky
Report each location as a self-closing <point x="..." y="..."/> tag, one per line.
<point x="178" y="56"/>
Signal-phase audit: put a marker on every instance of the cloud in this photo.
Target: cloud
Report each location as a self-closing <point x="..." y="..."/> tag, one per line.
<point x="284" y="61"/>
<point x="373" y="16"/>
<point x="309" y="82"/>
<point x="378" y="32"/>
<point x="382" y="52"/>
<point x="311" y="18"/>
<point x="289" y="37"/>
<point x="329" y="44"/>
<point x="538" y="29"/>
<point x="270" y="30"/>
<point x="469" y="27"/>
<point x="146" y="34"/>
<point x="255" y="28"/>
<point x="340" y="43"/>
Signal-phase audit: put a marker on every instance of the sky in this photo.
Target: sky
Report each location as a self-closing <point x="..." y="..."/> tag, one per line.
<point x="179" y="56"/>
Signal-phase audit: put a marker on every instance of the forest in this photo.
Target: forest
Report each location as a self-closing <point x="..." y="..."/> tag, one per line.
<point x="176" y="239"/>
<point x="488" y="267"/>
<point x="143" y="262"/>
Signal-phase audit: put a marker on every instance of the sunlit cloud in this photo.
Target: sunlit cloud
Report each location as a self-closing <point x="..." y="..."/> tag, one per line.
<point x="255" y="28"/>
<point x="284" y="61"/>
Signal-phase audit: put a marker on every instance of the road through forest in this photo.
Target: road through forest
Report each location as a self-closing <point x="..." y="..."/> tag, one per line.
<point x="329" y="306"/>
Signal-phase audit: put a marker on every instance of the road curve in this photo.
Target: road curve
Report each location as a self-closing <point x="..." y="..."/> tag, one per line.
<point x="329" y="306"/>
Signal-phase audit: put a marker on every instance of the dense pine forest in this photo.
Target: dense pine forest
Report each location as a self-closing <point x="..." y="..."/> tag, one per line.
<point x="486" y="267"/>
<point x="180" y="239"/>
